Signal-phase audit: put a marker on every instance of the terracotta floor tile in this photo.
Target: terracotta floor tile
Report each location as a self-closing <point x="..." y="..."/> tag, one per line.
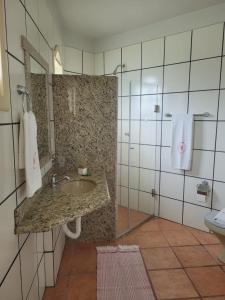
<point x="82" y="287"/>
<point x="151" y="239"/>
<point x="215" y="250"/>
<point x="160" y="258"/>
<point x="172" y="284"/>
<point x="180" y="238"/>
<point x="79" y="260"/>
<point x="171" y="226"/>
<point x="215" y="298"/>
<point x="152" y="225"/>
<point x="204" y="238"/>
<point x="194" y="256"/>
<point x="60" y="291"/>
<point x="209" y="281"/>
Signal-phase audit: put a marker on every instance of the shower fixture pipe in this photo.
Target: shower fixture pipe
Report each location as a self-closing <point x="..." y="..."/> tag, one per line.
<point x="117" y="67"/>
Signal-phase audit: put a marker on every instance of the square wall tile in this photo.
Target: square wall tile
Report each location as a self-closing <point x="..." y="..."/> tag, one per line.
<point x="148" y="103"/>
<point x="117" y="174"/>
<point x="131" y="83"/>
<point x="15" y="27"/>
<point x="172" y="185"/>
<point x="58" y="252"/>
<point x="134" y="155"/>
<point x="150" y="132"/>
<point x="124" y="153"/>
<point x="174" y="104"/>
<point x="124" y="196"/>
<point x="134" y="177"/>
<point x="72" y="60"/>
<point x="150" y="157"/>
<point x="146" y="203"/>
<point x="205" y="74"/>
<point x="178" y="47"/>
<point x="88" y="63"/>
<point x="207" y="41"/>
<point x="124" y="175"/>
<point x="41" y="277"/>
<point x="125" y="131"/>
<point x="131" y="57"/>
<point x="220" y="141"/>
<point x="218" y="201"/>
<point x="152" y="80"/>
<point x="32" y="7"/>
<point x="34" y="291"/>
<point x="135" y="108"/>
<point x="134" y="131"/>
<point x="223" y="74"/>
<point x="200" y="102"/>
<point x="119" y="80"/>
<point x="28" y="263"/>
<point x="49" y="269"/>
<point x="33" y="34"/>
<point x="149" y="180"/>
<point x="118" y="194"/>
<point x="119" y="108"/>
<point x="204" y="135"/>
<point x="194" y="216"/>
<point x="202" y="164"/>
<point x="166" y="133"/>
<point x="8" y="240"/>
<point x="166" y="161"/>
<point x="221" y="115"/>
<point x="219" y="167"/>
<point x="112" y="59"/>
<point x="7" y="182"/>
<point x="98" y="64"/>
<point x="125" y="107"/>
<point x="152" y="53"/>
<point x="133" y="199"/>
<point x="11" y="287"/>
<point x="190" y="192"/>
<point x="176" y="78"/>
<point x="170" y="209"/>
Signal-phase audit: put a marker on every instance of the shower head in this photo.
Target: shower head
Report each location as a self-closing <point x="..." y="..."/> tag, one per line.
<point x="116" y="68"/>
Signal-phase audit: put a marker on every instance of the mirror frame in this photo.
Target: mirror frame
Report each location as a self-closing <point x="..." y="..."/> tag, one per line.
<point x="30" y="51"/>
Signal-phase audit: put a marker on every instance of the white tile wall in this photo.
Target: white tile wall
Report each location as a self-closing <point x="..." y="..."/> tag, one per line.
<point x="176" y="103"/>
<point x="207" y="41"/>
<point x="176" y="78"/>
<point x="202" y="164"/>
<point x="204" y="135"/>
<point x="148" y="103"/>
<point x="152" y="53"/>
<point x="219" y="167"/>
<point x="132" y="78"/>
<point x="222" y="106"/>
<point x="72" y="60"/>
<point x="20" y="270"/>
<point x="88" y="63"/>
<point x="177" y="48"/>
<point x="146" y="203"/>
<point x="131" y="57"/>
<point x="170" y="209"/>
<point x="112" y="59"/>
<point x="205" y="74"/>
<point x="171" y="185"/>
<point x="218" y="195"/>
<point x="152" y="80"/>
<point x="98" y="64"/>
<point x="194" y="216"/>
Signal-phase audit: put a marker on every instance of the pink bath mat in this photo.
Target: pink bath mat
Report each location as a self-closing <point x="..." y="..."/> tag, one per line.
<point x="121" y="274"/>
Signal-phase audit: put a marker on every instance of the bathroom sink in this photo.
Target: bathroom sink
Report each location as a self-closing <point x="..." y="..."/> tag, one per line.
<point x="78" y="186"/>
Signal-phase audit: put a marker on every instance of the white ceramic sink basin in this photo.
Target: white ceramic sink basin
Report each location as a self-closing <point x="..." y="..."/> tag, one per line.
<point x="78" y="186"/>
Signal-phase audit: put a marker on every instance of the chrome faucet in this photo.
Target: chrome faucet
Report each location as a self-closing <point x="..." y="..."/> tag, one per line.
<point x="54" y="181"/>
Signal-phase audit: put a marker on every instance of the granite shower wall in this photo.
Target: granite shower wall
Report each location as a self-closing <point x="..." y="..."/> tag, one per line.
<point x="85" y="110"/>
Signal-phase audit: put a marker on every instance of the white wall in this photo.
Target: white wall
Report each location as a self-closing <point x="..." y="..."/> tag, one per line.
<point x="186" y="68"/>
<point x="22" y="265"/>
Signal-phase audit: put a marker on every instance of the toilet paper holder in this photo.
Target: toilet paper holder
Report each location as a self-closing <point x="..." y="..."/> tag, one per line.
<point x="203" y="188"/>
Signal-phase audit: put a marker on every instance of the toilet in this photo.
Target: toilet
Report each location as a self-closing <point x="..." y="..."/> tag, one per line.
<point x="218" y="229"/>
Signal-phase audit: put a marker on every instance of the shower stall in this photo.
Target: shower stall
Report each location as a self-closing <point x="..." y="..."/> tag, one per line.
<point x="138" y="151"/>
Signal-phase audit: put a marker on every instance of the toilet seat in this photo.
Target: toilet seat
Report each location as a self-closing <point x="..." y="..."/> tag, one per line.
<point x="214" y="225"/>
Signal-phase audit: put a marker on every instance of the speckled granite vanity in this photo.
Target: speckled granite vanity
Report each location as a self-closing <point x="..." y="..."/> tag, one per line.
<point x="51" y="206"/>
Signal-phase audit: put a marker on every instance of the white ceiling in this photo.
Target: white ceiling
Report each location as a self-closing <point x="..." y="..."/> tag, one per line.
<point x="97" y="19"/>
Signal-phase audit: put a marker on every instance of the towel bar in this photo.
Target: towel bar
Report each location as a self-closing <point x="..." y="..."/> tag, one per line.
<point x="205" y="114"/>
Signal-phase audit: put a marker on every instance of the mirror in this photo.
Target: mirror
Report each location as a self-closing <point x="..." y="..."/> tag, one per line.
<point x="37" y="74"/>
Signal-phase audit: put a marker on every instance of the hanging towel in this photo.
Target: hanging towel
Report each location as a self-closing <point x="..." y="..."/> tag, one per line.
<point x="28" y="155"/>
<point x="182" y="140"/>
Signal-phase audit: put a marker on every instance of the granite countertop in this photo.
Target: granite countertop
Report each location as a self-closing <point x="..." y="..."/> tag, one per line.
<point x="51" y="207"/>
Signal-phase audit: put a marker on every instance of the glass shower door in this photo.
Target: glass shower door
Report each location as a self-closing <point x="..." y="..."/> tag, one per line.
<point x="137" y="158"/>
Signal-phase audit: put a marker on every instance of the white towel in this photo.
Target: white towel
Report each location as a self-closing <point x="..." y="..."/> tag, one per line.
<point x="28" y="156"/>
<point x="182" y="140"/>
